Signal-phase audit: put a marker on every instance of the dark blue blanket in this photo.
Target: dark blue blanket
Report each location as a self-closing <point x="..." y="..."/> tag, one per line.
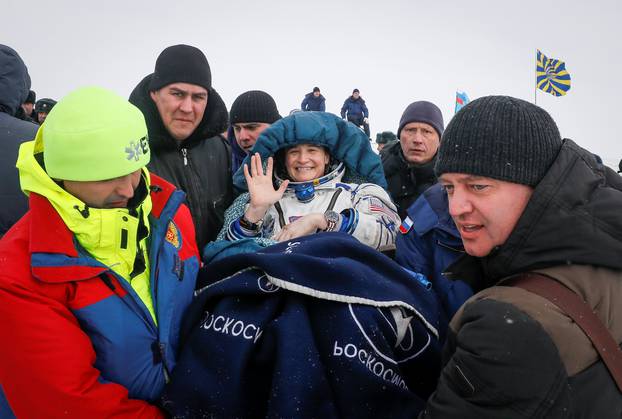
<point x="320" y="326"/>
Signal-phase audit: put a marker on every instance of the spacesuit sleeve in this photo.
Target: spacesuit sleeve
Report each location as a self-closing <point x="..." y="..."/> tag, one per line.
<point x="373" y="218"/>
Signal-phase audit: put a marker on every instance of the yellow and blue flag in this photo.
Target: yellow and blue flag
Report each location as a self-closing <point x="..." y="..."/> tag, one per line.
<point x="461" y="100"/>
<point x="551" y="75"/>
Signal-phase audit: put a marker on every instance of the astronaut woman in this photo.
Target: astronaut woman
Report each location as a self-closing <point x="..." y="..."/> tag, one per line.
<point x="321" y="175"/>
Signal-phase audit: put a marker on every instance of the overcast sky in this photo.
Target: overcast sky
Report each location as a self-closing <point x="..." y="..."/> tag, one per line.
<point x="394" y="51"/>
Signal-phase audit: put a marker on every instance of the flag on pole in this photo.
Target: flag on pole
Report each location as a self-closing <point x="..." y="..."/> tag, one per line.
<point x="551" y="75"/>
<point x="461" y="100"/>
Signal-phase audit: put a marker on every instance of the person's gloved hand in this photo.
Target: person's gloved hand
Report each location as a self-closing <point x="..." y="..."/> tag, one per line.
<point x="366" y="120"/>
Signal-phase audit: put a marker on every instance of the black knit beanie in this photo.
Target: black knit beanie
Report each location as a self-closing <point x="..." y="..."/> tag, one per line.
<point x="422" y="111"/>
<point x="254" y="106"/>
<point x="181" y="64"/>
<point x="500" y="137"/>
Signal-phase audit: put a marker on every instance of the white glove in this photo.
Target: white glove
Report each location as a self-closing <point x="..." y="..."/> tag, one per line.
<point x="366" y="120"/>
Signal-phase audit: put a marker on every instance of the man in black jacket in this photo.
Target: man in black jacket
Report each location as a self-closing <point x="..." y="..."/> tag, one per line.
<point x="409" y="163"/>
<point x="526" y="201"/>
<point x="251" y="113"/>
<point x="185" y="117"/>
<point x="14" y="85"/>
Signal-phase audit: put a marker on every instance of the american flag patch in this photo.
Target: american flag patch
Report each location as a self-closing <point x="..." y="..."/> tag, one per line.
<point x="406" y="225"/>
<point x="376" y="205"/>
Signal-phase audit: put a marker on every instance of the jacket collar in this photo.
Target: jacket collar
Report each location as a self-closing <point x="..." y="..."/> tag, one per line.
<point x="421" y="171"/>
<point x="49" y="235"/>
<point x="430" y="211"/>
<point x="48" y="232"/>
<point x="396" y="162"/>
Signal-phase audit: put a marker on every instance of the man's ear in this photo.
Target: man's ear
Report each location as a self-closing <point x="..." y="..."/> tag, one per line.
<point x="153" y="95"/>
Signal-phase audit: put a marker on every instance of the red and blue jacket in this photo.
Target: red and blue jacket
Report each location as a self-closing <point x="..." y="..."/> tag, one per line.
<point x="77" y="339"/>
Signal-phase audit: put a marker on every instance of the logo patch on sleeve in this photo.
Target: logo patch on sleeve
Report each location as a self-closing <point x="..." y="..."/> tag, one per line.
<point x="172" y="235"/>
<point x="406" y="225"/>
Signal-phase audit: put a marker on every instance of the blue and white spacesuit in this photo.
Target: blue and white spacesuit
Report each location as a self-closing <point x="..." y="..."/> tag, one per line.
<point x="365" y="209"/>
<point x="353" y="188"/>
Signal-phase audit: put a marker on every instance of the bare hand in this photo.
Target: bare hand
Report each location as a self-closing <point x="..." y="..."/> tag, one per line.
<point x="260" y="188"/>
<point x="303" y="226"/>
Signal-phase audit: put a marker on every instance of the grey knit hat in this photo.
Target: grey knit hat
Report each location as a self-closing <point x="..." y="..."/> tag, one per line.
<point x="500" y="137"/>
<point x="254" y="106"/>
<point x="422" y="111"/>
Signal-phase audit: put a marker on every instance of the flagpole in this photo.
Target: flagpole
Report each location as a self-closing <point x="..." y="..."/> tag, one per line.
<point x="535" y="84"/>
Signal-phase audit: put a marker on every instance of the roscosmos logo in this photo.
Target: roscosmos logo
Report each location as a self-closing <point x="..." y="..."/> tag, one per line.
<point x="407" y="336"/>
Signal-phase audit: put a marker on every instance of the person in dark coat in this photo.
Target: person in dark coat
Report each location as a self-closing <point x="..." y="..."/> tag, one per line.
<point x="14" y="87"/>
<point x="314" y="101"/>
<point x="355" y="111"/>
<point x="185" y="116"/>
<point x="409" y="163"/>
<point x="251" y="113"/>
<point x="28" y="107"/>
<point x="527" y="203"/>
